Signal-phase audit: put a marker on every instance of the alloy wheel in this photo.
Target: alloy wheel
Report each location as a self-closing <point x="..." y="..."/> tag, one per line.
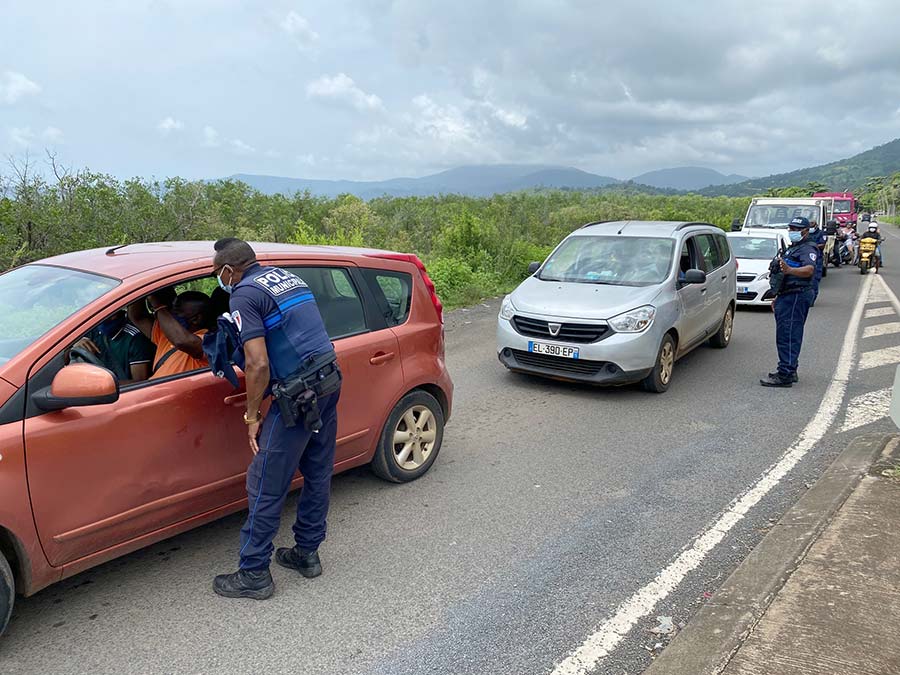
<point x="414" y="437"/>
<point x="666" y="362"/>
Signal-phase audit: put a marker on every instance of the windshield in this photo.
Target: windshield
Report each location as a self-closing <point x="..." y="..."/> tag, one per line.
<point x="617" y="261"/>
<point x="779" y="215"/>
<point x="758" y="248"/>
<point x="842" y="206"/>
<point x="35" y="298"/>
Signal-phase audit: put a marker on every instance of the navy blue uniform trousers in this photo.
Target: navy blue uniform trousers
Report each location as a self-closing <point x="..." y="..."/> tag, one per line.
<point x="790" y="316"/>
<point x="282" y="451"/>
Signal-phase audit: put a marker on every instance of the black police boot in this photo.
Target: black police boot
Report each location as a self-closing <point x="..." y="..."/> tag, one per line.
<point x="245" y="584"/>
<point x="794" y="378"/>
<point x="777" y="381"/>
<point x="307" y="563"/>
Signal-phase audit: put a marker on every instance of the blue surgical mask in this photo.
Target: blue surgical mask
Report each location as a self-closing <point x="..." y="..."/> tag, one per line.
<point x="111" y="326"/>
<point x="184" y="322"/>
<point x="795" y="236"/>
<point x="228" y="288"/>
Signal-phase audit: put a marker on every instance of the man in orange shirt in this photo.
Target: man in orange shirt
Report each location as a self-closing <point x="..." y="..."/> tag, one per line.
<point x="176" y="327"/>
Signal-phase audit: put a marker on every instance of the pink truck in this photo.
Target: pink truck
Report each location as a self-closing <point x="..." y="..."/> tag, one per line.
<point x="846" y="208"/>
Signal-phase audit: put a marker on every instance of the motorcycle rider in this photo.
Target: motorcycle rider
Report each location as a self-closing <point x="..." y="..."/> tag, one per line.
<point x="874" y="233"/>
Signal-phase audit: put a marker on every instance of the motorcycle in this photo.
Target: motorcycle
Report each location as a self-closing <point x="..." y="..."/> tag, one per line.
<point x="868" y="255"/>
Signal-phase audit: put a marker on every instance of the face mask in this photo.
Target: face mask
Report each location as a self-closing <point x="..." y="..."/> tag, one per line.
<point x="109" y="327"/>
<point x="795" y="237"/>
<point x="184" y="323"/>
<point x="225" y="287"/>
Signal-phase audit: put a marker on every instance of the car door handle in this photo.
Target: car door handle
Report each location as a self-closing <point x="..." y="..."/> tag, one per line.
<point x="382" y="357"/>
<point x="703" y="291"/>
<point x="234" y="399"/>
<point x="724" y="277"/>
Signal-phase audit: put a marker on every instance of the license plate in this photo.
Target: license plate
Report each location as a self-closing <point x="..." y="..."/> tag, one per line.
<point x="743" y="289"/>
<point x="553" y="350"/>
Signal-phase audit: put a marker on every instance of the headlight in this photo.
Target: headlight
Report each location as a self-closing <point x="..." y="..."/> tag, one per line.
<point x="507" y="309"/>
<point x="635" y="321"/>
<point x="763" y="277"/>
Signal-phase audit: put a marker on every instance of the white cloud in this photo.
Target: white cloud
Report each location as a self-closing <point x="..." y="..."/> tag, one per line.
<point x="169" y="124"/>
<point x="342" y="89"/>
<point x="240" y="147"/>
<point x="14" y="86"/>
<point x="210" y="137"/>
<point x="52" y="135"/>
<point x="300" y="31"/>
<point x="21" y="136"/>
<point x="308" y="159"/>
<point x="272" y="154"/>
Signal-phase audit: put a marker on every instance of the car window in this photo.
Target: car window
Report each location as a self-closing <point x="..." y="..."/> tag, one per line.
<point x="35" y="298"/>
<point x="337" y="298"/>
<point x="393" y="293"/>
<point x="709" y="252"/>
<point x="610" y="260"/>
<point x="724" y="250"/>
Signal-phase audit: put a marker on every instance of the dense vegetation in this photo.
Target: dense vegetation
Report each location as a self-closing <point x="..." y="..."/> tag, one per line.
<point x="845" y="174"/>
<point x="473" y="247"/>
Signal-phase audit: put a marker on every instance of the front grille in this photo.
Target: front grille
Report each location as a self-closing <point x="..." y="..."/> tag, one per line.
<point x="568" y="332"/>
<point x="745" y="278"/>
<point x="746" y="296"/>
<point x="558" y="363"/>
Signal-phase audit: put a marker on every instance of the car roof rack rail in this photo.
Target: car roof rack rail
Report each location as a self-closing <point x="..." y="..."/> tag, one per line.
<point x="594" y="222"/>
<point x="692" y="224"/>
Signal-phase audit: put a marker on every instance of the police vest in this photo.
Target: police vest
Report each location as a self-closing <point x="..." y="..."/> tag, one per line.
<point x="294" y="330"/>
<point x="798" y="255"/>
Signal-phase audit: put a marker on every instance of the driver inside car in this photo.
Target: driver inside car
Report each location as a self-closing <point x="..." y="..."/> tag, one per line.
<point x="176" y="326"/>
<point x="118" y="345"/>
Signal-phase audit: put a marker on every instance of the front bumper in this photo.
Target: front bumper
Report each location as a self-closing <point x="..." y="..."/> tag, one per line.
<point x="619" y="358"/>
<point x="756" y="293"/>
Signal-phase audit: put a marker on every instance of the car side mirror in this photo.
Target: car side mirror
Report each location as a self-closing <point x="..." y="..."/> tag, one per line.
<point x="78" y="384"/>
<point x="736" y="225"/>
<point x="533" y="267"/>
<point x="694" y="277"/>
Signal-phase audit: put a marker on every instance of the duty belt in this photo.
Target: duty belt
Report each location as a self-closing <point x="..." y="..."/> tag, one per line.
<point x="297" y="396"/>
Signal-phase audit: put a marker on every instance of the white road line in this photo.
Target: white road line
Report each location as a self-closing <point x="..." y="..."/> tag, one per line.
<point x="613" y="630"/>
<point x="888" y="328"/>
<point x="867" y="408"/>
<point x="889" y="294"/>
<point x="879" y="357"/>
<point x="878" y="311"/>
<point x="877" y="294"/>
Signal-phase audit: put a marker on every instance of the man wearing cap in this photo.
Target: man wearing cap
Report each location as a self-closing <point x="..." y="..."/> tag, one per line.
<point x="792" y="302"/>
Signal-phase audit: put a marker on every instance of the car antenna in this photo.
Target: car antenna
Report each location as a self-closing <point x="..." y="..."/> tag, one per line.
<point x="626" y="224"/>
<point x="112" y="251"/>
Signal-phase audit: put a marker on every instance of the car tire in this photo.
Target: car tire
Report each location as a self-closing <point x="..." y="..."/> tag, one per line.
<point x="723" y="336"/>
<point x="659" y="378"/>
<point x="7" y="593"/>
<point x="411" y="438"/>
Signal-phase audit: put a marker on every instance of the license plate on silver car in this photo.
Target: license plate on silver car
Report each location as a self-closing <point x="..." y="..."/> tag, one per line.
<point x="553" y="350"/>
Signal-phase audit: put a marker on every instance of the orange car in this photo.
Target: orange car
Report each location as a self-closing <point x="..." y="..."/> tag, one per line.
<point x="91" y="469"/>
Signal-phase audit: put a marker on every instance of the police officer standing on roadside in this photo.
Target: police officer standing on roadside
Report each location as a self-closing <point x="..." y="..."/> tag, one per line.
<point x="792" y="302"/>
<point x="287" y="353"/>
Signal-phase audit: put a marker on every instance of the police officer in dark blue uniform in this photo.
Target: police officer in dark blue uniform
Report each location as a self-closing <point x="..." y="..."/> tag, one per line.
<point x="817" y="238"/>
<point x="792" y="302"/>
<point x="287" y="354"/>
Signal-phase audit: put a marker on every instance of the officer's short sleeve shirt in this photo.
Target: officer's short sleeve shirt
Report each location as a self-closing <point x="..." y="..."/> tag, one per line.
<point x="249" y="306"/>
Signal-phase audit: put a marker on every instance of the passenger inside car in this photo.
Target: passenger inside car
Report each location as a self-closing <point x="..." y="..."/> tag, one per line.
<point x="176" y="324"/>
<point x="120" y="346"/>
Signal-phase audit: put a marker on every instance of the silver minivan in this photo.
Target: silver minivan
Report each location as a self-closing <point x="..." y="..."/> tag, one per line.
<point x="620" y="302"/>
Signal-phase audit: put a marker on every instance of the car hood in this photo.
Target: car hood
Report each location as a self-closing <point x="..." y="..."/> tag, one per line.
<point x="752" y="265"/>
<point x="579" y="301"/>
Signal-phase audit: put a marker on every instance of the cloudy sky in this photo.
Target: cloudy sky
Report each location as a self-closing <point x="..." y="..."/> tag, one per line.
<point x="371" y="89"/>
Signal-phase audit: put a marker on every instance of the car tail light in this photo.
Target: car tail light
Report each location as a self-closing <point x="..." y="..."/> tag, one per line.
<point x="429" y="284"/>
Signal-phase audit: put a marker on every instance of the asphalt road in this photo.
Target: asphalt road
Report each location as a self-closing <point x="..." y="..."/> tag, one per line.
<point x="549" y="506"/>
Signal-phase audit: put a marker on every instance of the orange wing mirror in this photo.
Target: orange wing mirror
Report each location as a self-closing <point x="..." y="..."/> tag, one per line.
<point x="78" y="384"/>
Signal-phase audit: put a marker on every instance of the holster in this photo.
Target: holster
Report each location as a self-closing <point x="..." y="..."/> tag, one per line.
<point x="297" y="397"/>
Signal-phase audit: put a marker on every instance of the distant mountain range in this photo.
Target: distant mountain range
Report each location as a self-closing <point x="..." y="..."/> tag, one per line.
<point x="476" y="181"/>
<point x="844" y="174"/>
<point x="686" y="178"/>
<point x="486" y="180"/>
